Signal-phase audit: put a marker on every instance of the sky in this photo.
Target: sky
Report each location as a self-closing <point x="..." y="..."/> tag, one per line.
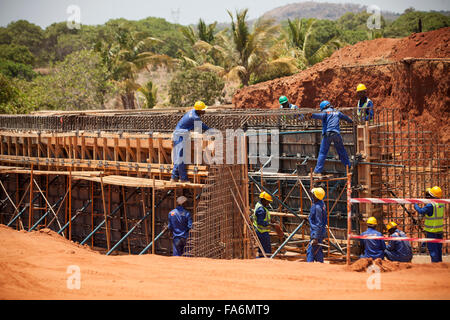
<point x="93" y="12"/>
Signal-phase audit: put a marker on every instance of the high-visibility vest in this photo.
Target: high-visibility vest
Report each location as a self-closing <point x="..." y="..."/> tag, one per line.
<point x="435" y="223"/>
<point x="362" y="110"/>
<point x="261" y="229"/>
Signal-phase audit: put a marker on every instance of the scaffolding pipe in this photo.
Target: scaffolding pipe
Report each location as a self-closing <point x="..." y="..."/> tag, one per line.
<point x="151" y="243"/>
<point x="287" y="240"/>
<point x="112" y="213"/>
<point x="76" y="215"/>
<point x="45" y="214"/>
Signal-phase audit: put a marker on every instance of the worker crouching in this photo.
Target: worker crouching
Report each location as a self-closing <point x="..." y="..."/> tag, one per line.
<point x="372" y="248"/>
<point x="397" y="250"/>
<point x="318" y="223"/>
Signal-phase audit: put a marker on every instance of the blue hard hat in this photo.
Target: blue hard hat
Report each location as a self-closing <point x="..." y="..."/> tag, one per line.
<point x="324" y="104"/>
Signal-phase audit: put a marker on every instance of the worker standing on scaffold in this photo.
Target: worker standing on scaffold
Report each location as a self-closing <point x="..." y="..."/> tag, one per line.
<point x="317" y="222"/>
<point x="434" y="222"/>
<point x="180" y="135"/>
<point x="331" y="132"/>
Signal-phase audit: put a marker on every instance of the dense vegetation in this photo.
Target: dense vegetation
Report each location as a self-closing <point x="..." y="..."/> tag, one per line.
<point x="60" y="68"/>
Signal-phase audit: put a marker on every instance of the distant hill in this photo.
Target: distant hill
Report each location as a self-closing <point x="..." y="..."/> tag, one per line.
<point x="319" y="10"/>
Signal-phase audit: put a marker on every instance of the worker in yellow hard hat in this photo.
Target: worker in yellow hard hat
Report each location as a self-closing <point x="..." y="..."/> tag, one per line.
<point x="262" y="221"/>
<point x="317" y="222"/>
<point x="397" y="250"/>
<point x="187" y="123"/>
<point x="372" y="248"/>
<point x="365" y="105"/>
<point x="434" y="222"/>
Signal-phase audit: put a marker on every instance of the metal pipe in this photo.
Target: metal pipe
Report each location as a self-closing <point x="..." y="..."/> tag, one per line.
<point x="287" y="240"/>
<point x="76" y="215"/>
<point x="45" y="214"/>
<point x="112" y="213"/>
<point x="151" y="243"/>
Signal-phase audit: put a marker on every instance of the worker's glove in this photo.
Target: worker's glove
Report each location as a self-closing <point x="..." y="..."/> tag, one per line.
<point x="314" y="242"/>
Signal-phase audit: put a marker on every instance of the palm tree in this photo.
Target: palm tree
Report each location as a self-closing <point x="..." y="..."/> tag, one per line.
<point x="126" y="57"/>
<point x="150" y="91"/>
<point x="299" y="35"/>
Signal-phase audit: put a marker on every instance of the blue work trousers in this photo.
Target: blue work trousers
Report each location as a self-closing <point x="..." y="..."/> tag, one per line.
<point x="264" y="238"/>
<point x="314" y="252"/>
<point x="325" y="147"/>
<point x="179" y="167"/>
<point x="178" y="246"/>
<point x="435" y="249"/>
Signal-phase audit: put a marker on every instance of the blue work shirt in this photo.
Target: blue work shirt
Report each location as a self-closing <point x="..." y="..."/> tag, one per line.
<point x="427" y="210"/>
<point x="330" y="120"/>
<point x="187" y="121"/>
<point x="260" y="214"/>
<point x="400" y="249"/>
<point x="318" y="220"/>
<point x="180" y="222"/>
<point x="372" y="248"/>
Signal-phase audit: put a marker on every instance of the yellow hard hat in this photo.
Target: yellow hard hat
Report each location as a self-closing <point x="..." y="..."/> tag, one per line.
<point x="319" y="193"/>
<point x="361" y="87"/>
<point x="200" y="105"/>
<point x="391" y="225"/>
<point x="372" y="221"/>
<point x="265" y="195"/>
<point x="435" y="192"/>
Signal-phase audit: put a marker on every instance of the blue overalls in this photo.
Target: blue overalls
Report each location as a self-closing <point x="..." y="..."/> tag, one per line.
<point x="331" y="132"/>
<point x="398" y="250"/>
<point x="180" y="222"/>
<point x="433" y="212"/>
<point x="261" y="223"/>
<point x="317" y="223"/>
<point x="182" y="129"/>
<point x="372" y="248"/>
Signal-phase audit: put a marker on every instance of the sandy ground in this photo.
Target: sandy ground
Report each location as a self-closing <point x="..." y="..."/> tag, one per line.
<point x="35" y="266"/>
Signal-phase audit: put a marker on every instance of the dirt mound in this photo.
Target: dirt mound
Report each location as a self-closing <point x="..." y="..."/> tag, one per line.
<point x="41" y="264"/>
<point x="364" y="264"/>
<point x="418" y="88"/>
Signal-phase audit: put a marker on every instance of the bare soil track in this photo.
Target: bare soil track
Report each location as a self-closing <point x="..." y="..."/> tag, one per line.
<point x="34" y="266"/>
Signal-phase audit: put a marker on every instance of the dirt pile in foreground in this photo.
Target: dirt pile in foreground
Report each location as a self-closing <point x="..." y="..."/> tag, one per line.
<point x="37" y="265"/>
<point x="418" y="88"/>
<point x="383" y="265"/>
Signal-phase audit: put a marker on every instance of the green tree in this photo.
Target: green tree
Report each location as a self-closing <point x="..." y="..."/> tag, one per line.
<point x="191" y="85"/>
<point x="150" y="92"/>
<point x="126" y="57"/>
<point x="408" y="23"/>
<point x="12" y="100"/>
<point x="13" y="69"/>
<point x="16" y="53"/>
<point x="26" y="34"/>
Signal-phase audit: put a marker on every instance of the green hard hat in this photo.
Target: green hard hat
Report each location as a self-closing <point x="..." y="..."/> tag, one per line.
<point x="283" y="99"/>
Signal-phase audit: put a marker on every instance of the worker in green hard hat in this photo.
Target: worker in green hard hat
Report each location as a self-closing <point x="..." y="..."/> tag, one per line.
<point x="284" y="103"/>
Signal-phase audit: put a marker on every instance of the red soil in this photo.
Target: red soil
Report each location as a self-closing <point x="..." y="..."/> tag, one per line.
<point x="34" y="266"/>
<point x="420" y="89"/>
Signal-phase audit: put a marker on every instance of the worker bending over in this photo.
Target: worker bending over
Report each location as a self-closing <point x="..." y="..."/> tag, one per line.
<point x="397" y="250"/>
<point x="372" y="248"/>
<point x="331" y="132"/>
<point x="185" y="125"/>
<point x="317" y="223"/>
<point x="365" y="105"/>
<point x="261" y="222"/>
<point x="434" y="222"/>
<point x="180" y="223"/>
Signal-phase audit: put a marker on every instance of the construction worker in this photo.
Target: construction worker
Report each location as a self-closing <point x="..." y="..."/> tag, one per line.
<point x="284" y="103"/>
<point x="261" y="222"/>
<point x="185" y="125"/>
<point x="372" y="248"/>
<point x="397" y="250"/>
<point x="365" y="105"/>
<point x="180" y="222"/>
<point x="434" y="222"/>
<point x="317" y="222"/>
<point x="331" y="132"/>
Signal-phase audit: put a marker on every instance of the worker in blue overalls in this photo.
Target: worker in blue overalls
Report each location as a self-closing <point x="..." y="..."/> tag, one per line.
<point x="180" y="223"/>
<point x="397" y="250"/>
<point x="317" y="223"/>
<point x="180" y="135"/>
<point x="434" y="222"/>
<point x="284" y="103"/>
<point x="331" y="132"/>
<point x="262" y="221"/>
<point x="372" y="248"/>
